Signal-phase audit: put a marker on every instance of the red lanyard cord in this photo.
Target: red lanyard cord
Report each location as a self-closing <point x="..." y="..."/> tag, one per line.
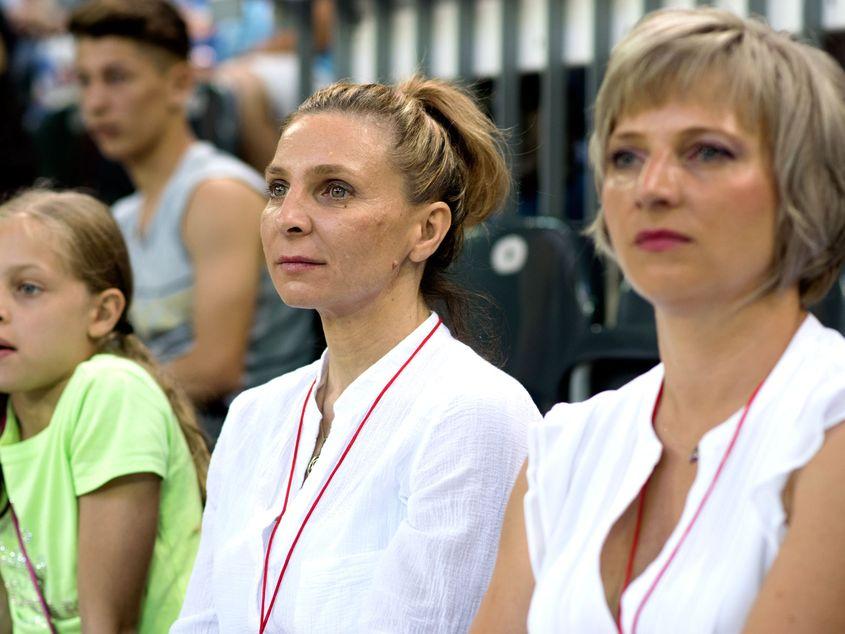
<point x="265" y="616"/>
<point x="688" y="529"/>
<point x="635" y="542"/>
<point x="284" y="507"/>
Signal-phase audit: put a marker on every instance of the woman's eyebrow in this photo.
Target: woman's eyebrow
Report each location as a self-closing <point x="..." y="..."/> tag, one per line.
<point x="324" y="169"/>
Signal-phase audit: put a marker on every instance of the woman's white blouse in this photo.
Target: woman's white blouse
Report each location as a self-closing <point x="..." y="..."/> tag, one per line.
<point x="588" y="462"/>
<point x="405" y="536"/>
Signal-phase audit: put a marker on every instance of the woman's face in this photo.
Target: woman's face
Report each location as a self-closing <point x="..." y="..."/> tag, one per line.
<point x="337" y="230"/>
<point x="690" y="200"/>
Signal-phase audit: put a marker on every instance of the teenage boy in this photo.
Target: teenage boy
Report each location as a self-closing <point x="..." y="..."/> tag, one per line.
<point x="203" y="301"/>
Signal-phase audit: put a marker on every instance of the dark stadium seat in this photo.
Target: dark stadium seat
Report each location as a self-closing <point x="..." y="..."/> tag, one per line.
<point x="607" y="358"/>
<point x="213" y="113"/>
<point x="831" y="309"/>
<point x="528" y="267"/>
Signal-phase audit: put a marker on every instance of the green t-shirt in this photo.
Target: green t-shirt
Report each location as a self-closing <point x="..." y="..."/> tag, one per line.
<point x="111" y="420"/>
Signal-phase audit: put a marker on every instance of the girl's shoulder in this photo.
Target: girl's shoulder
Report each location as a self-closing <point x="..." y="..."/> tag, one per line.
<point x="110" y="386"/>
<point x="108" y="372"/>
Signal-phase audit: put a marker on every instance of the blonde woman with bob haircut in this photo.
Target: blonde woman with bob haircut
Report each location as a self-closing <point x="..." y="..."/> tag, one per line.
<point x="706" y="495"/>
<point x="365" y="492"/>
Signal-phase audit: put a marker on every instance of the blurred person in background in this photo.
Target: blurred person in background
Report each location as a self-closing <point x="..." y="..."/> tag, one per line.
<point x="265" y="79"/>
<point x="17" y="161"/>
<point x="705" y="495"/>
<point x="204" y="303"/>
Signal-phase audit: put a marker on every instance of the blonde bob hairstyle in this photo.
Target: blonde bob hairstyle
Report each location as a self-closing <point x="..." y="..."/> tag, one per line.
<point x="792" y="93"/>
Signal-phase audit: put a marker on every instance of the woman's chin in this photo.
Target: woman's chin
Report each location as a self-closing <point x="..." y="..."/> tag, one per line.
<point x="295" y="298"/>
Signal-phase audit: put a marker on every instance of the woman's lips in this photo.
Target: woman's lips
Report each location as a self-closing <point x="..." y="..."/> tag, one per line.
<point x="295" y="264"/>
<point x="657" y="240"/>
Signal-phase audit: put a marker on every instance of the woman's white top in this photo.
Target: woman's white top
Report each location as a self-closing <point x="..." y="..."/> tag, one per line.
<point x="588" y="462"/>
<point x="404" y="538"/>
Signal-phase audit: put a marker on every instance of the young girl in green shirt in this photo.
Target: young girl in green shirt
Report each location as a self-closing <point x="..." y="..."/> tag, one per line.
<point x="102" y="461"/>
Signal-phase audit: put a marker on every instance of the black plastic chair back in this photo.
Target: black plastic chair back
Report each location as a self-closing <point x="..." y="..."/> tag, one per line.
<point x="831" y="309"/>
<point x="528" y="267"/>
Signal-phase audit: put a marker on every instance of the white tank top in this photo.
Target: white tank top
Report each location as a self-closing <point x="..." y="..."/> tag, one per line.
<point x="588" y="462"/>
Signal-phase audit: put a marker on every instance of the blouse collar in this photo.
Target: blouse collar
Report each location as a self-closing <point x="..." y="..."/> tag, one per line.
<point x="359" y="395"/>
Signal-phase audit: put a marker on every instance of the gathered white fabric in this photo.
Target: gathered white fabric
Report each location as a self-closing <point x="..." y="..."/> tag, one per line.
<point x="404" y="538"/>
<point x="588" y="462"/>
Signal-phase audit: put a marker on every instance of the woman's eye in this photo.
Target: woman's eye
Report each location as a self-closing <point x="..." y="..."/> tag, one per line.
<point x="277" y="189"/>
<point x="707" y="152"/>
<point x="622" y="159"/>
<point x="337" y="191"/>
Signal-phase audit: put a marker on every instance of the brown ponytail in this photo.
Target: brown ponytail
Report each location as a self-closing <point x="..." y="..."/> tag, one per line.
<point x="447" y="150"/>
<point x="96" y="254"/>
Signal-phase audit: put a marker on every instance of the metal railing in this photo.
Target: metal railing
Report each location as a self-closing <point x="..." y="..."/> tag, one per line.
<point x="500" y="41"/>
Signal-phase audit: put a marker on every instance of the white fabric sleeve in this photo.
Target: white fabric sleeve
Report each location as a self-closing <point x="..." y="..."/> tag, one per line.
<point x="438" y="564"/>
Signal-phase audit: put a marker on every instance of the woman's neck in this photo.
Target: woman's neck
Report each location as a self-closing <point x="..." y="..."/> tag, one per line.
<point x="713" y="361"/>
<point x="151" y="170"/>
<point x="358" y="340"/>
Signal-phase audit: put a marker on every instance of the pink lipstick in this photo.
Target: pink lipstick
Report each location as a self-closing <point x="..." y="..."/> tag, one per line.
<point x="657" y="240"/>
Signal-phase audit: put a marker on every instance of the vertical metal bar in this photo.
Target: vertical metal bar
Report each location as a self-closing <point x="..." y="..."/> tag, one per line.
<point x="507" y="86"/>
<point x="301" y="14"/>
<point x="424" y="11"/>
<point x="758" y="7"/>
<point x="342" y="46"/>
<point x="466" y="37"/>
<point x="653" y="5"/>
<point x="383" y="39"/>
<point x="812" y="14"/>
<point x="601" y="51"/>
<point x="553" y="116"/>
<point x="606" y="298"/>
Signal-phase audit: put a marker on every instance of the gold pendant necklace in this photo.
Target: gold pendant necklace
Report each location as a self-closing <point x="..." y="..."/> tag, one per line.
<point x="318" y="449"/>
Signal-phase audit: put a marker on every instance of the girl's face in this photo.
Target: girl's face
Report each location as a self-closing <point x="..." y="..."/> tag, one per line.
<point x="690" y="203"/>
<point x="46" y="313"/>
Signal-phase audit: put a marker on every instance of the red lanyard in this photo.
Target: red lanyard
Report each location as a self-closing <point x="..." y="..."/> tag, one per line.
<point x="265" y="616"/>
<point x="629" y="569"/>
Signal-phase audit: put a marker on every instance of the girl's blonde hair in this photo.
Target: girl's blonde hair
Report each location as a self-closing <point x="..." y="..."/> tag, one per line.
<point x="791" y="93"/>
<point x="94" y="252"/>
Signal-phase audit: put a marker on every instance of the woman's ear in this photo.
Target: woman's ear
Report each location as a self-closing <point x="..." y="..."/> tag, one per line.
<point x="105" y="313"/>
<point x="433" y="225"/>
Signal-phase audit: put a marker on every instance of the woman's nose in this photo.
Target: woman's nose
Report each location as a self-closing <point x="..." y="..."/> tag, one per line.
<point x="290" y="214"/>
<point x="658" y="183"/>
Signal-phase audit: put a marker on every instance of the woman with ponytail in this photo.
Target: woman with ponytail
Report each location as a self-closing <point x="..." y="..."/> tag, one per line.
<point x="365" y="492"/>
<point x="102" y="461"/>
